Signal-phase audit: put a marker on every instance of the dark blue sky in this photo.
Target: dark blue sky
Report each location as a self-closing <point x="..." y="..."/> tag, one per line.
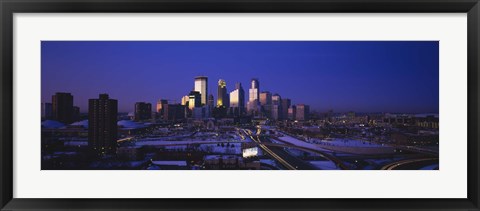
<point x="393" y="76"/>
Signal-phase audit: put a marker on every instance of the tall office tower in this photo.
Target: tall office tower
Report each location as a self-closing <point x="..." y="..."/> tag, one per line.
<point x="266" y="104"/>
<point x="253" y="97"/>
<point x="285" y="106"/>
<point x="46" y="110"/>
<point x="185" y="100"/>
<point x="265" y="98"/>
<point x="222" y="94"/>
<point x="303" y="111"/>
<point x="62" y="107"/>
<point x="237" y="100"/>
<point x="102" y="124"/>
<point x="143" y="111"/>
<point x="276" y="107"/>
<point x="292" y="113"/>
<point x="201" y="86"/>
<point x="254" y="91"/>
<point x="194" y="100"/>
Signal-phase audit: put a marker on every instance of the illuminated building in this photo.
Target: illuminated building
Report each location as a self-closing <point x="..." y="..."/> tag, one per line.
<point x="185" y="100"/>
<point x="102" y="124"/>
<point x="62" y="107"/>
<point x="160" y="105"/>
<point x="253" y="97"/>
<point x="254" y="90"/>
<point x="194" y="100"/>
<point x="201" y="86"/>
<point x="143" y="111"/>
<point x="237" y="100"/>
<point x="222" y="95"/>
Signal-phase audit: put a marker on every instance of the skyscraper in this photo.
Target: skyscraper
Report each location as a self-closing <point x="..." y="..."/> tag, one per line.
<point x="265" y="98"/>
<point x="201" y="86"/>
<point x="253" y="97"/>
<point x="143" y="111"/>
<point x="222" y="98"/>
<point x="237" y="100"/>
<point x="194" y="100"/>
<point x="254" y="91"/>
<point x="276" y="107"/>
<point x="102" y="124"/>
<point x="62" y="107"/>
<point x="266" y="103"/>
<point x="185" y="100"/>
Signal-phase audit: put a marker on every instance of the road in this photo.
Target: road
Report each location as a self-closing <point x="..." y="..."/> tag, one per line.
<point x="265" y="149"/>
<point x="416" y="162"/>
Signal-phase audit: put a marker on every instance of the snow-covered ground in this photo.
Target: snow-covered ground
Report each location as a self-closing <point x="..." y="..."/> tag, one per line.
<point x="300" y="143"/>
<point x="340" y="145"/>
<point x="346" y="143"/>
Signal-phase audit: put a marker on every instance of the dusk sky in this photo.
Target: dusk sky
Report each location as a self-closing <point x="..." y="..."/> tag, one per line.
<point x="393" y="76"/>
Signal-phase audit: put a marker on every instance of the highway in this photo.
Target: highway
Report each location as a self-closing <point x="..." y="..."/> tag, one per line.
<point x="327" y="156"/>
<point x="268" y="151"/>
<point x="399" y="164"/>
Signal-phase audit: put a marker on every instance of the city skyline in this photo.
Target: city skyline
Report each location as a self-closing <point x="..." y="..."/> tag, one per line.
<point x="410" y="88"/>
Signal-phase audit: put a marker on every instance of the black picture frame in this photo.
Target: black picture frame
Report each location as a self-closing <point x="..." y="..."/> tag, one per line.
<point x="9" y="7"/>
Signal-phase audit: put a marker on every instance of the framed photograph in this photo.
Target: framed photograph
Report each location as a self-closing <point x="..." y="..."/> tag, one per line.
<point x="252" y="105"/>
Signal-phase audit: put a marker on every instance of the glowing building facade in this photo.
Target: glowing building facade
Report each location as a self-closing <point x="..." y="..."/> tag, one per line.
<point x="201" y="86"/>
<point x="237" y="100"/>
<point x="222" y="95"/>
<point x="253" y="97"/>
<point x="194" y="100"/>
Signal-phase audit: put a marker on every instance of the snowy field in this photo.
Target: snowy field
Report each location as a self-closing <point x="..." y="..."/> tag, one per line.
<point x="340" y="145"/>
<point x="346" y="143"/>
